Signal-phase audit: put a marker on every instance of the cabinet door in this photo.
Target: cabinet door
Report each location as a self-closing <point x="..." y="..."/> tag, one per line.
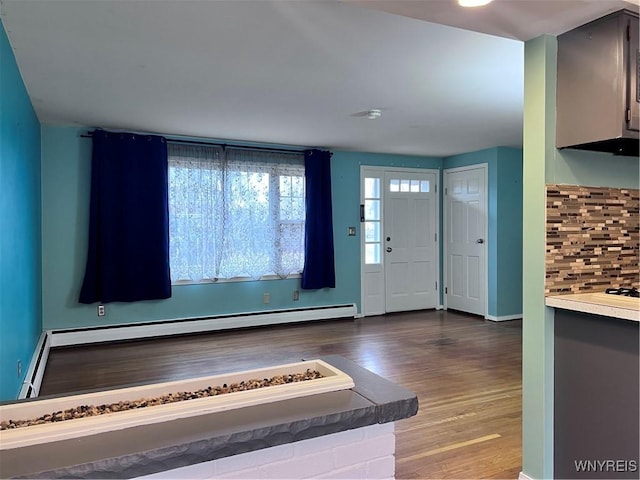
<point x="633" y="76"/>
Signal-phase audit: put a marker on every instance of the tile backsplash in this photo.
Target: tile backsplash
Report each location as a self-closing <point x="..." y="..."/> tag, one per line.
<point x="592" y="239"/>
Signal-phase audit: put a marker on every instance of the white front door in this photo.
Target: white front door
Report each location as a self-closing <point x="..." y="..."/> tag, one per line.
<point x="400" y="225"/>
<point x="465" y="239"/>
<point x="410" y="241"/>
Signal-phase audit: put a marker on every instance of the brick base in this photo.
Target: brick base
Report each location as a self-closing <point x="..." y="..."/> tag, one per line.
<point x="364" y="453"/>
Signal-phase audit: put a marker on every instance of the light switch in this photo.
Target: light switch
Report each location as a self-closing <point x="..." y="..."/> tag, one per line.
<point x="351" y="231"/>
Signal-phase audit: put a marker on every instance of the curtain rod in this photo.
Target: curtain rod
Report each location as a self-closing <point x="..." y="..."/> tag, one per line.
<point x="214" y="144"/>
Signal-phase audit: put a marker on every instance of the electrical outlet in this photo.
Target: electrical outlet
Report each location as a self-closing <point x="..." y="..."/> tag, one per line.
<point x="19" y="368"/>
<point x="296" y="295"/>
<point x="101" y="310"/>
<point x="266" y="298"/>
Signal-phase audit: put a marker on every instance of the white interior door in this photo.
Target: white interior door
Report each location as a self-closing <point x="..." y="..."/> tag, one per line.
<point x="399" y="243"/>
<point x="465" y="239"/>
<point x="410" y="240"/>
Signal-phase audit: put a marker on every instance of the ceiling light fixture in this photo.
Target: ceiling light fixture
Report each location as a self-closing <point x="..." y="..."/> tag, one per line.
<point x="374" y="113"/>
<point x="473" y="3"/>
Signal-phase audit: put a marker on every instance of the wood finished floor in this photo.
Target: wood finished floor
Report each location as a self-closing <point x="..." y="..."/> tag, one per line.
<point x="465" y="371"/>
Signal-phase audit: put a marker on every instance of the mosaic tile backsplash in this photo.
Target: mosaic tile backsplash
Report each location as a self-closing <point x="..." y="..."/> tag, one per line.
<point x="592" y="239"/>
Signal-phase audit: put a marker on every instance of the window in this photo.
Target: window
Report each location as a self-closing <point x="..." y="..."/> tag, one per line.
<point x="372" y="221"/>
<point x="235" y="213"/>
<point x="409" y="186"/>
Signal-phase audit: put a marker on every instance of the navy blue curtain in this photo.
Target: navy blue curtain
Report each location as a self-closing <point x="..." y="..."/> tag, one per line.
<point x="319" y="265"/>
<point x="128" y="255"/>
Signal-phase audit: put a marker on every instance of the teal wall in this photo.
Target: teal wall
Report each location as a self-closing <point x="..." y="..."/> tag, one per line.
<point x="544" y="164"/>
<point x="578" y="167"/>
<point x="508" y="247"/>
<point x="20" y="238"/>
<point x="66" y="166"/>
<point x="504" y="238"/>
<point x="66" y="159"/>
<point x="345" y="172"/>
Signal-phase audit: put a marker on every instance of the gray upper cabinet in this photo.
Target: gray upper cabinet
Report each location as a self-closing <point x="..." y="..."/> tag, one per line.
<point x="598" y="76"/>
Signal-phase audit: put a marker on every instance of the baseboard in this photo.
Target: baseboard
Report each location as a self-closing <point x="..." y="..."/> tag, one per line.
<point x="502" y="318"/>
<point x="440" y="307"/>
<point x="524" y="476"/>
<point x="81" y="336"/>
<point x="33" y="378"/>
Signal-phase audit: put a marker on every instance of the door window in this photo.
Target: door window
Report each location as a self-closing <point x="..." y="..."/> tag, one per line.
<point x="372" y="219"/>
<point x="406" y="185"/>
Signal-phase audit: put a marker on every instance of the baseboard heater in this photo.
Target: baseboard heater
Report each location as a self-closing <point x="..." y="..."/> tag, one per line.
<point x="80" y="336"/>
<point x="111" y="333"/>
<point x="35" y="372"/>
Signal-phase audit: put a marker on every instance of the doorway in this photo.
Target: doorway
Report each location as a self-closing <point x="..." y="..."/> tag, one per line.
<point x="399" y="240"/>
<point x="465" y="239"/>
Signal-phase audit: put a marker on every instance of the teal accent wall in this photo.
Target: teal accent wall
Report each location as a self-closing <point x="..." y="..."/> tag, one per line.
<point x="594" y="169"/>
<point x="508" y="248"/>
<point x="20" y="237"/>
<point x="504" y="238"/>
<point x="66" y="168"/>
<point x="346" y="195"/>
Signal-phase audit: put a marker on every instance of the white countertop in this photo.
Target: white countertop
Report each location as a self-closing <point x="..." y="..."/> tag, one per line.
<point x="598" y="303"/>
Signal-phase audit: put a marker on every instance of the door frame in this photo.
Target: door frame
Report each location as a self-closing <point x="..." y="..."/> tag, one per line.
<point x="379" y="172"/>
<point x="445" y="236"/>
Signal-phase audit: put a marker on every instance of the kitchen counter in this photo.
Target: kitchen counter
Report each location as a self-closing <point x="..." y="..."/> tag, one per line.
<point x="598" y="303"/>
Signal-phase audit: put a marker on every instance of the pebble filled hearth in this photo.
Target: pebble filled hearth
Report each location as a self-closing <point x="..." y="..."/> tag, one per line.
<point x="83" y="411"/>
<point x="329" y="426"/>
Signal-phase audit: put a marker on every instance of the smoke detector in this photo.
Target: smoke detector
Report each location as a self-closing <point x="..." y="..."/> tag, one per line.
<point x="374" y="113"/>
<point x="473" y="3"/>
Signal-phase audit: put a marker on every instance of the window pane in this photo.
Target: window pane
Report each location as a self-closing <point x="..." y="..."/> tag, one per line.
<point x="415" y="185"/>
<point x="372" y="231"/>
<point x="246" y="223"/>
<point x="372" y="209"/>
<point x="297" y="186"/>
<point x="291" y="245"/>
<point x="286" y="209"/>
<point x="372" y="188"/>
<point x="291" y="197"/>
<point x="394" y="185"/>
<point x="297" y="208"/>
<point x="404" y="185"/>
<point x="424" y="186"/>
<point x="372" y="253"/>
<point x="285" y="185"/>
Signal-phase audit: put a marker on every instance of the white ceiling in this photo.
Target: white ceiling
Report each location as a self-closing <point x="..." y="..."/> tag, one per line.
<point x="516" y="19"/>
<point x="298" y="72"/>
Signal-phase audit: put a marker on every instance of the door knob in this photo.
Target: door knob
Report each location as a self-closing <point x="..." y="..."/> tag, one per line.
<point x="480" y="240"/>
<point x="389" y="249"/>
